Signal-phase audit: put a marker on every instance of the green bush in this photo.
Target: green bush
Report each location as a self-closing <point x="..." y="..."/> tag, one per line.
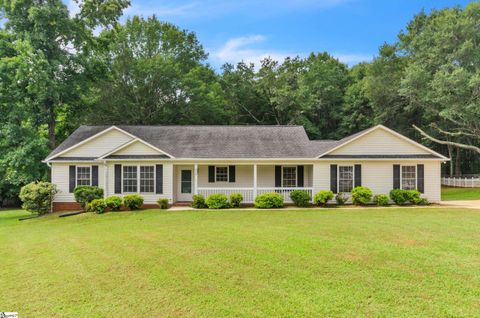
<point x="198" y="202"/>
<point x="361" y="195"/>
<point x="133" y="201"/>
<point x="402" y="197"/>
<point x="162" y="203"/>
<point x="217" y="201"/>
<point x="413" y="196"/>
<point x="322" y="197"/>
<point x="97" y="206"/>
<point x="422" y="201"/>
<point x="114" y="203"/>
<point x="300" y="198"/>
<point x="236" y="199"/>
<point x="269" y="201"/>
<point x="341" y="198"/>
<point x="37" y="197"/>
<point x="381" y="199"/>
<point x="86" y="194"/>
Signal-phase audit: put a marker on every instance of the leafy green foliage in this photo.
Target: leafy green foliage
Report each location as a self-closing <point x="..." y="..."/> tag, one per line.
<point x="322" y="197"/>
<point x="361" y="195"/>
<point x="341" y="198"/>
<point x="86" y="194"/>
<point x="381" y="200"/>
<point x="97" y="206"/>
<point x="113" y="202"/>
<point x="198" y="201"/>
<point x="37" y="197"/>
<point x="401" y="197"/>
<point x="163" y="203"/>
<point x="133" y="201"/>
<point x="217" y="201"/>
<point x="236" y="199"/>
<point x="300" y="198"/>
<point x="269" y="201"/>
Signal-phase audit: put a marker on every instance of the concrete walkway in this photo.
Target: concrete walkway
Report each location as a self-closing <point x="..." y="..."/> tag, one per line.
<point x="469" y="204"/>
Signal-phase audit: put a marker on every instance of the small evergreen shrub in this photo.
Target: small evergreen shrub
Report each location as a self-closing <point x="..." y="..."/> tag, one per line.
<point x="86" y="194"/>
<point x="162" y="203"/>
<point x="381" y="200"/>
<point x="322" y="197"/>
<point x="236" y="199"/>
<point x="198" y="202"/>
<point x="341" y="198"/>
<point x="269" y="201"/>
<point x="97" y="206"/>
<point x="300" y="198"/>
<point x="361" y="195"/>
<point x="401" y="197"/>
<point x="37" y="197"/>
<point x="114" y="203"/>
<point x="413" y="196"/>
<point x="217" y="201"/>
<point x="422" y="201"/>
<point x="133" y="201"/>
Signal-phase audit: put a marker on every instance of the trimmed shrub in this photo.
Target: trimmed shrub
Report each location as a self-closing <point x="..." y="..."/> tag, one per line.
<point x="236" y="199"/>
<point x="86" y="194"/>
<point x="322" y="197"/>
<point x="133" y="201"/>
<point x="269" y="201"/>
<point x="413" y="196"/>
<point x="381" y="200"/>
<point x="341" y="198"/>
<point x="198" y="202"/>
<point x="113" y="203"/>
<point x="97" y="206"/>
<point x="361" y="195"/>
<point x="217" y="201"/>
<point x="402" y="197"/>
<point x="37" y="197"/>
<point x="300" y="198"/>
<point x="422" y="201"/>
<point x="162" y="203"/>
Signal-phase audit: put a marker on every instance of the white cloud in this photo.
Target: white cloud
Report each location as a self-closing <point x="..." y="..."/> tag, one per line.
<point x="243" y="49"/>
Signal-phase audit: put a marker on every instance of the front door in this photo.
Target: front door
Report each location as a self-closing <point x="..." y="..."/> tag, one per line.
<point x="185" y="191"/>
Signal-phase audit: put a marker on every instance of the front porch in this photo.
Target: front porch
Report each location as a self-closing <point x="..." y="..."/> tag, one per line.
<point x="248" y="179"/>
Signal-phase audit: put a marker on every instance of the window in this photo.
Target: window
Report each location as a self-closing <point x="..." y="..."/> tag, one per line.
<point x="147" y="179"/>
<point x="289" y="177"/>
<point x="130" y="179"/>
<point x="409" y="177"/>
<point x="345" y="178"/>
<point x="83" y="176"/>
<point x="221" y="174"/>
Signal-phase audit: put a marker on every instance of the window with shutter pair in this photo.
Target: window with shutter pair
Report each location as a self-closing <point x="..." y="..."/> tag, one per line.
<point x="289" y="176"/>
<point x="131" y="179"/>
<point x="409" y="177"/>
<point x="82" y="175"/>
<point x="343" y="178"/>
<point x="221" y="174"/>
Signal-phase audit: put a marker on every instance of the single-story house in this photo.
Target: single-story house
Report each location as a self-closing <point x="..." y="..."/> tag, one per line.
<point x="176" y="162"/>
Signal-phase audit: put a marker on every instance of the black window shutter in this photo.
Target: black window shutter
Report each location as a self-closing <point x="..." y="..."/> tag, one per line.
<point x="211" y="173"/>
<point x="159" y="179"/>
<point x="231" y="173"/>
<point x="95" y="176"/>
<point x="300" y="176"/>
<point x="420" y="178"/>
<point x="278" y="176"/>
<point x="396" y="176"/>
<point x="71" y="178"/>
<point x="358" y="175"/>
<point x="333" y="178"/>
<point x="118" y="178"/>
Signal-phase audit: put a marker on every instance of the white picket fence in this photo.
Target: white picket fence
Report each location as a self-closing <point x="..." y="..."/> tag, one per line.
<point x="461" y="182"/>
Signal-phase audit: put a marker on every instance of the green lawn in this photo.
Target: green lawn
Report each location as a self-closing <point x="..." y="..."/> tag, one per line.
<point x="452" y="194"/>
<point x="389" y="262"/>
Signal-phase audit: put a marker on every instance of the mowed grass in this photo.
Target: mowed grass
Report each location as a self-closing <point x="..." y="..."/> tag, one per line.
<point x="389" y="262"/>
<point x="455" y="194"/>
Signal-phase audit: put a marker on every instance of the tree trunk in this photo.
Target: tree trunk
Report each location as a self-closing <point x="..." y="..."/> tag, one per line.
<point x="458" y="162"/>
<point x="51" y="124"/>
<point x="450" y="155"/>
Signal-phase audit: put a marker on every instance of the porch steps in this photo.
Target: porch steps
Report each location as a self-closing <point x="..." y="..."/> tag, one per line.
<point x="181" y="203"/>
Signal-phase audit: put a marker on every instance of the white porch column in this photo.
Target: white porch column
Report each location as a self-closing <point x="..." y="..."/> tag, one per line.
<point x="105" y="179"/>
<point x="195" y="178"/>
<point x="254" y="181"/>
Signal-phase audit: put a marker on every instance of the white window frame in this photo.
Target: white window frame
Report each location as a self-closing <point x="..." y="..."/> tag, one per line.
<point x="89" y="177"/>
<point x="139" y="177"/>
<point x="296" y="176"/>
<point x="228" y="174"/>
<point x="338" y="177"/>
<point x="401" y="176"/>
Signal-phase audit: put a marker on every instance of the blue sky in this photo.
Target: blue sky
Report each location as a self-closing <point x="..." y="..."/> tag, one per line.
<point x="230" y="31"/>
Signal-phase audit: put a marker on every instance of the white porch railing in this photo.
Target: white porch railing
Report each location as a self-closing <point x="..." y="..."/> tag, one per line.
<point x="461" y="182"/>
<point x="247" y="193"/>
